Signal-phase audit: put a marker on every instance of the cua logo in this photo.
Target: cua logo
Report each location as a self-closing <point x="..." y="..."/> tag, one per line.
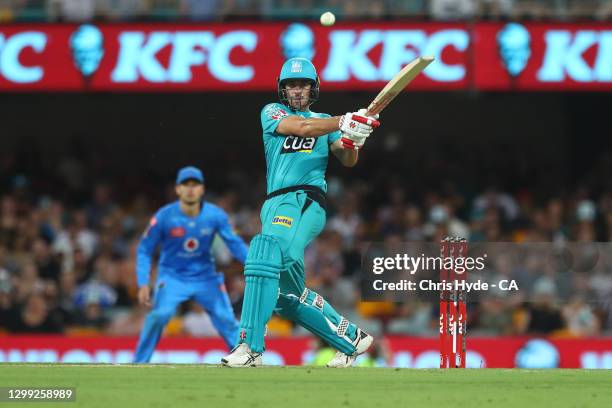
<point x="294" y="144"/>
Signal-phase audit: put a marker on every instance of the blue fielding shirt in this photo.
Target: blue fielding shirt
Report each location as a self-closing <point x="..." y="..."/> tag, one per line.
<point x="186" y="243"/>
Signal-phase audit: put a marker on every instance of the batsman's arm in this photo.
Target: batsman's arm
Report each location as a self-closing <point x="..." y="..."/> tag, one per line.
<point x="295" y="125"/>
<point x="347" y="157"/>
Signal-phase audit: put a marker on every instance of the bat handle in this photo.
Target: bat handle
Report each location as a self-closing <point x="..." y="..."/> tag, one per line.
<point x="366" y="121"/>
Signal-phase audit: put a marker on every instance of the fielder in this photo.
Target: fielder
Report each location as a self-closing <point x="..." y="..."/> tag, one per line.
<point x="185" y="230"/>
<point x="297" y="142"/>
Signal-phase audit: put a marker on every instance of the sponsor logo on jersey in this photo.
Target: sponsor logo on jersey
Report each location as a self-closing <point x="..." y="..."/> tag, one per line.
<point x="191" y="244"/>
<point x="275" y="112"/>
<point x="282" y="220"/>
<point x="294" y="144"/>
<point x="177" y="232"/>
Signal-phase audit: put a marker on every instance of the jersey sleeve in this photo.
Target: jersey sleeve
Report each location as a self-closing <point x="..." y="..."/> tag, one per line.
<point x="149" y="241"/>
<point x="332" y="137"/>
<point x="271" y="115"/>
<point x="234" y="243"/>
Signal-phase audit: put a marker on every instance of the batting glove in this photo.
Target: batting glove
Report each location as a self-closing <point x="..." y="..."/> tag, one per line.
<point x="356" y="127"/>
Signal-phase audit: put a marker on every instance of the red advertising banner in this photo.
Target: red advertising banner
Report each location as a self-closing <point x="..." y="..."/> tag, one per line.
<point x="223" y="57"/>
<point x="408" y="352"/>
<point x="539" y="56"/>
<point x="349" y="56"/>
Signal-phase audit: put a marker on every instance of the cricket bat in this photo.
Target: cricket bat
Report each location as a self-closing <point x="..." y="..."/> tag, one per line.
<point x="397" y="84"/>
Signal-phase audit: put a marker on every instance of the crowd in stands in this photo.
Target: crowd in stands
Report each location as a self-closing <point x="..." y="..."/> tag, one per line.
<point x="210" y="10"/>
<point x="67" y="252"/>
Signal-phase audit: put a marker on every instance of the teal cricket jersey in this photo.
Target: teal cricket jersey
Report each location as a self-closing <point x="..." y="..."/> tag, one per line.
<point x="292" y="160"/>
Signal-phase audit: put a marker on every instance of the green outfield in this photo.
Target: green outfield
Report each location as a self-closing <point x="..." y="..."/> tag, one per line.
<point x="212" y="386"/>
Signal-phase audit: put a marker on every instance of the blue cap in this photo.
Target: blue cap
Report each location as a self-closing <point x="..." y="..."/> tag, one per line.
<point x="189" y="173"/>
<point x="298" y="68"/>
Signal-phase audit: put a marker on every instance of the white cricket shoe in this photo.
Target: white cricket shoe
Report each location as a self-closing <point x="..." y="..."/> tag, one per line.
<point x="362" y="344"/>
<point x="242" y="356"/>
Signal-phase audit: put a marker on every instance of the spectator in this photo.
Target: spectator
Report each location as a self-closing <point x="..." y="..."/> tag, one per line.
<point x="76" y="237"/>
<point x="72" y="10"/>
<point x="495" y="8"/>
<point x="46" y="261"/>
<point x="452" y="9"/>
<point x="91" y="299"/>
<point x="120" y="10"/>
<point x="28" y="282"/>
<point x="201" y="10"/>
<point x="35" y="317"/>
<point x="580" y="319"/>
<point x="196" y="322"/>
<point x="543" y="316"/>
<point x="6" y="298"/>
<point x="347" y="221"/>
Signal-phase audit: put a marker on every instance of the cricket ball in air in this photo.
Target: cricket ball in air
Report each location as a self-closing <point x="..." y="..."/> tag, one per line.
<point x="328" y="19"/>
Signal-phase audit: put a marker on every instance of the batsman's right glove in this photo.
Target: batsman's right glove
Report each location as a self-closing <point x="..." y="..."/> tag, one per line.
<point x="356" y="127"/>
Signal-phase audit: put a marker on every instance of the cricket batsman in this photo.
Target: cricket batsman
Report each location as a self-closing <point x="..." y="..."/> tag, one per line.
<point x="185" y="230"/>
<point x="297" y="142"/>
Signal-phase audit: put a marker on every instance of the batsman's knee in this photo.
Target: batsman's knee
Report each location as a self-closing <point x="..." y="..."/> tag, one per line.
<point x="265" y="257"/>
<point x="286" y="306"/>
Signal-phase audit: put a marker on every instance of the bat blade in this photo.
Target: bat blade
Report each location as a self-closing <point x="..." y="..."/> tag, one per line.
<point x="397" y="84"/>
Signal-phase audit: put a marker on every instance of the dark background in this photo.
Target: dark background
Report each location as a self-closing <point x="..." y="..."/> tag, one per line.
<point x="545" y="141"/>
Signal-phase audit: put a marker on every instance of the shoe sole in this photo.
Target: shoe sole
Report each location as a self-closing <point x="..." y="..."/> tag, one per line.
<point x="226" y="363"/>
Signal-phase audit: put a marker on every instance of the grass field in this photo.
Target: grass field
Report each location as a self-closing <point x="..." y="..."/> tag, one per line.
<point x="266" y="387"/>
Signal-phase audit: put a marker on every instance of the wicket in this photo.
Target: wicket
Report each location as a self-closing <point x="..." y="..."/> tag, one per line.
<point x="453" y="311"/>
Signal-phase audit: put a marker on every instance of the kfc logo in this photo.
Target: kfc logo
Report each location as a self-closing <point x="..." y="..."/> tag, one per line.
<point x="138" y="55"/>
<point x="565" y="56"/>
<point x="11" y="49"/>
<point x="514" y="42"/>
<point x="349" y="49"/>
